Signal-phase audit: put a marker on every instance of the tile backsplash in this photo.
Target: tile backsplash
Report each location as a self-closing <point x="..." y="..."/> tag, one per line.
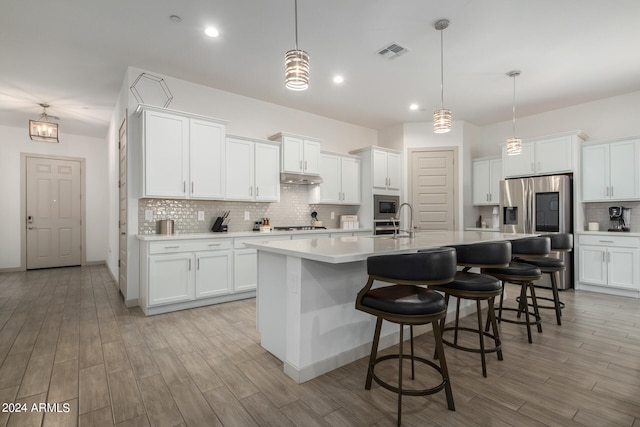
<point x="293" y="209"/>
<point x="599" y="212"/>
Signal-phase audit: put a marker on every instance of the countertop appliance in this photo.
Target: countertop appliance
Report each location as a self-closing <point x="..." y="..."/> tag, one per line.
<point x="539" y="205"/>
<point x="620" y="218"/>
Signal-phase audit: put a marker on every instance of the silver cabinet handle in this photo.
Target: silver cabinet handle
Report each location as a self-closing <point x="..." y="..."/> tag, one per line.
<point x="300" y="164"/>
<point x="305" y="165"/>
<point x="215" y="244"/>
<point x="198" y="264"/>
<point x="251" y="191"/>
<point x="257" y="191"/>
<point x="604" y="257"/>
<point x="189" y="264"/>
<point x="611" y="191"/>
<point x="192" y="187"/>
<point x="172" y="247"/>
<point x="608" y="256"/>
<point x="606" y="241"/>
<point x="184" y="186"/>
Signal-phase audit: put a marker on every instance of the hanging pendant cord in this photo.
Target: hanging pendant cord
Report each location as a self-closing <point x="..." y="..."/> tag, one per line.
<point x="441" y="71"/>
<point x="296" y="20"/>
<point x="514" y="106"/>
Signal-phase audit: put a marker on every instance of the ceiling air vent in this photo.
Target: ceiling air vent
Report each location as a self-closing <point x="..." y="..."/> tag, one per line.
<point x="393" y="50"/>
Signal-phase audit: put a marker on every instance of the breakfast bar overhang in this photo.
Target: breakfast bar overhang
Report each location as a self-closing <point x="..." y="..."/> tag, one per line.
<point x="306" y="296"/>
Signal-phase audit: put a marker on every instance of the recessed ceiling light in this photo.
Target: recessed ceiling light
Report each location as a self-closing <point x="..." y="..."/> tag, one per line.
<point x="338" y="79"/>
<point x="211" y="32"/>
<point x="414" y="107"/>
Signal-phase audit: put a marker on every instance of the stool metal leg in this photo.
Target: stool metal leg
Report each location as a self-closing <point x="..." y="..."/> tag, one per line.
<point x="374" y="353"/>
<point x="400" y="373"/>
<point x="413" y="370"/>
<point x="481" y="336"/>
<point x="523" y="297"/>
<point x="536" y="310"/>
<point x="556" y="297"/>
<point x="443" y="365"/>
<point x="491" y="317"/>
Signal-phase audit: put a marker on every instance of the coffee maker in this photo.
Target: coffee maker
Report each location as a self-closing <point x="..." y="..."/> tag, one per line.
<point x="620" y="218"/>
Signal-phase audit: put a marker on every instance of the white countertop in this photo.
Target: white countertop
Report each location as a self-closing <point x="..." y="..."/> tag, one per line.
<point x="481" y="229"/>
<point x="212" y="235"/>
<point x="348" y="249"/>
<point x="610" y="233"/>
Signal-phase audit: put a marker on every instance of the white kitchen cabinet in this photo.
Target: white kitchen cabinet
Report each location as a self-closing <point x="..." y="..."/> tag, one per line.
<point x="610" y="170"/>
<point x="299" y="154"/>
<point x="386" y="169"/>
<point x="171" y="278"/>
<point x="487" y="173"/>
<point x="543" y="156"/>
<point x="183" y="155"/>
<point x="609" y="264"/>
<point x="213" y="273"/>
<point x="253" y="170"/>
<point x="245" y="262"/>
<point x="341" y="180"/>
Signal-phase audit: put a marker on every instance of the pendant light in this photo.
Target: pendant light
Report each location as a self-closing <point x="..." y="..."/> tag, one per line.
<point x="296" y="64"/>
<point x="43" y="129"/>
<point x="442" y="117"/>
<point x="514" y="144"/>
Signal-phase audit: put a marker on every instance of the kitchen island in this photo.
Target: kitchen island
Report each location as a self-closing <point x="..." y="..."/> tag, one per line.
<point x="306" y="294"/>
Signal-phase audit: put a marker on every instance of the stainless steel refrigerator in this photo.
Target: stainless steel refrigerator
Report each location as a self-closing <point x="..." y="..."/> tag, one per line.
<point x="539" y="205"/>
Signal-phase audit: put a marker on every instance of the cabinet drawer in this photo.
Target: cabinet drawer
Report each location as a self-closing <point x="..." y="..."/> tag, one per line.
<point x="240" y="242"/>
<point x="604" y="240"/>
<point x="169" y="246"/>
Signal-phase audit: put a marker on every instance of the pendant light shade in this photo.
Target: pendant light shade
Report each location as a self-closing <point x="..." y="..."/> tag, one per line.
<point x="514" y="144"/>
<point x="43" y="129"/>
<point x="442" y="116"/>
<point x="296" y="64"/>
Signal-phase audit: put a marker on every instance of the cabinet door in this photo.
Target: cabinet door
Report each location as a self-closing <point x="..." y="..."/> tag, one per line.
<point x="166" y="155"/>
<point x="267" y="172"/>
<point x="393" y="171"/>
<point x="239" y="176"/>
<point x="595" y="172"/>
<point x="245" y="270"/>
<point x="522" y="164"/>
<point x="379" y="169"/>
<point x="623" y="267"/>
<point x="593" y="266"/>
<point x="170" y="278"/>
<point x="213" y="273"/>
<point x="481" y="186"/>
<point x="311" y="163"/>
<point x="553" y="155"/>
<point x="495" y="176"/>
<point x="292" y="154"/>
<point x="350" y="174"/>
<point x="623" y="170"/>
<point x="330" y="189"/>
<point x="207" y="159"/>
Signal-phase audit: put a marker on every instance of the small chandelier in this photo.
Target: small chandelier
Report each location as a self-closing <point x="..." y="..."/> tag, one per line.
<point x="296" y="64"/>
<point x="514" y="144"/>
<point x="43" y="129"/>
<point x="442" y="116"/>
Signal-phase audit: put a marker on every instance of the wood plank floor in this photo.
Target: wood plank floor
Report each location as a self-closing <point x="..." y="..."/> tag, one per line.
<point x="66" y="338"/>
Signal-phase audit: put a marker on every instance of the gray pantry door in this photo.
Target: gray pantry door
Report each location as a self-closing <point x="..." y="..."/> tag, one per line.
<point x="54" y="232"/>
<point x="433" y="189"/>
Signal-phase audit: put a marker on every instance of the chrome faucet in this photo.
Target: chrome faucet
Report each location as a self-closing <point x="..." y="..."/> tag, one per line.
<point x="411" y="230"/>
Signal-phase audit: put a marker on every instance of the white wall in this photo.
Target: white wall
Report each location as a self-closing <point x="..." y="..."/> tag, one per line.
<point x="614" y="117"/>
<point x="15" y="140"/>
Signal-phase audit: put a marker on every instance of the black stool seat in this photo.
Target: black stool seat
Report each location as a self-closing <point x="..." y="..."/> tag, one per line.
<point x="478" y="288"/>
<point x="544" y="264"/>
<point x="407" y="300"/>
<point x="516" y="269"/>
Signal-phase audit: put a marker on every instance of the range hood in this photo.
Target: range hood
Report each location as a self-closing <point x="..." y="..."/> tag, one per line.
<point x="298" y="178"/>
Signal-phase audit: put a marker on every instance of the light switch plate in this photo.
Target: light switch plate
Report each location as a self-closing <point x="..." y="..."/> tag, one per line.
<point x="148" y="215"/>
<point x="200" y="215"/>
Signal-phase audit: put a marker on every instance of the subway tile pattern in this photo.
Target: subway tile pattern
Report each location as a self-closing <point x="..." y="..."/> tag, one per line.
<point x="293" y="209"/>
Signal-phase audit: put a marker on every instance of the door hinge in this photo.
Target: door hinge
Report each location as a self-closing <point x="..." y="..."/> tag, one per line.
<point x="118" y="263"/>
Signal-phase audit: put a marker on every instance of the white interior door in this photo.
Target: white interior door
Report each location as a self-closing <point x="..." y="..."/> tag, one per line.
<point x="433" y="189"/>
<point x="54" y="237"/>
<point x="122" y="222"/>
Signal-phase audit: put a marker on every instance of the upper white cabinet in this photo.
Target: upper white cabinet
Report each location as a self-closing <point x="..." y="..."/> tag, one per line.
<point x="183" y="155"/>
<point x="341" y="180"/>
<point x="386" y="169"/>
<point x="487" y="173"/>
<point x="253" y="171"/>
<point x="610" y="170"/>
<point x="299" y="154"/>
<point x="543" y="156"/>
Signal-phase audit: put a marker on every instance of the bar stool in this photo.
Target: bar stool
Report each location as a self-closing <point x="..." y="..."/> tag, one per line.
<point x="476" y="287"/>
<point x="560" y="242"/>
<point x="408" y="303"/>
<point x="525" y="275"/>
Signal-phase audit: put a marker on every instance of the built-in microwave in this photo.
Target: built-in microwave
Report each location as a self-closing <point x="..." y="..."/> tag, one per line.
<point x="385" y="206"/>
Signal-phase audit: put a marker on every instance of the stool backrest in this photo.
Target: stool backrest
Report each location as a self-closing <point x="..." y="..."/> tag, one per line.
<point x="431" y="267"/>
<point x="560" y="242"/>
<point x="483" y="254"/>
<point x="531" y="246"/>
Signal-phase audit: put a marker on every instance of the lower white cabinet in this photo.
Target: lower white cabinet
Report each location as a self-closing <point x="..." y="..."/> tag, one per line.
<point x="213" y="273"/>
<point x="609" y="264"/>
<point x="172" y="278"/>
<point x="245" y="269"/>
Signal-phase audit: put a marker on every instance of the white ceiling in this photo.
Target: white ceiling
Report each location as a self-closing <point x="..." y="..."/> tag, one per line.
<point x="73" y="55"/>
